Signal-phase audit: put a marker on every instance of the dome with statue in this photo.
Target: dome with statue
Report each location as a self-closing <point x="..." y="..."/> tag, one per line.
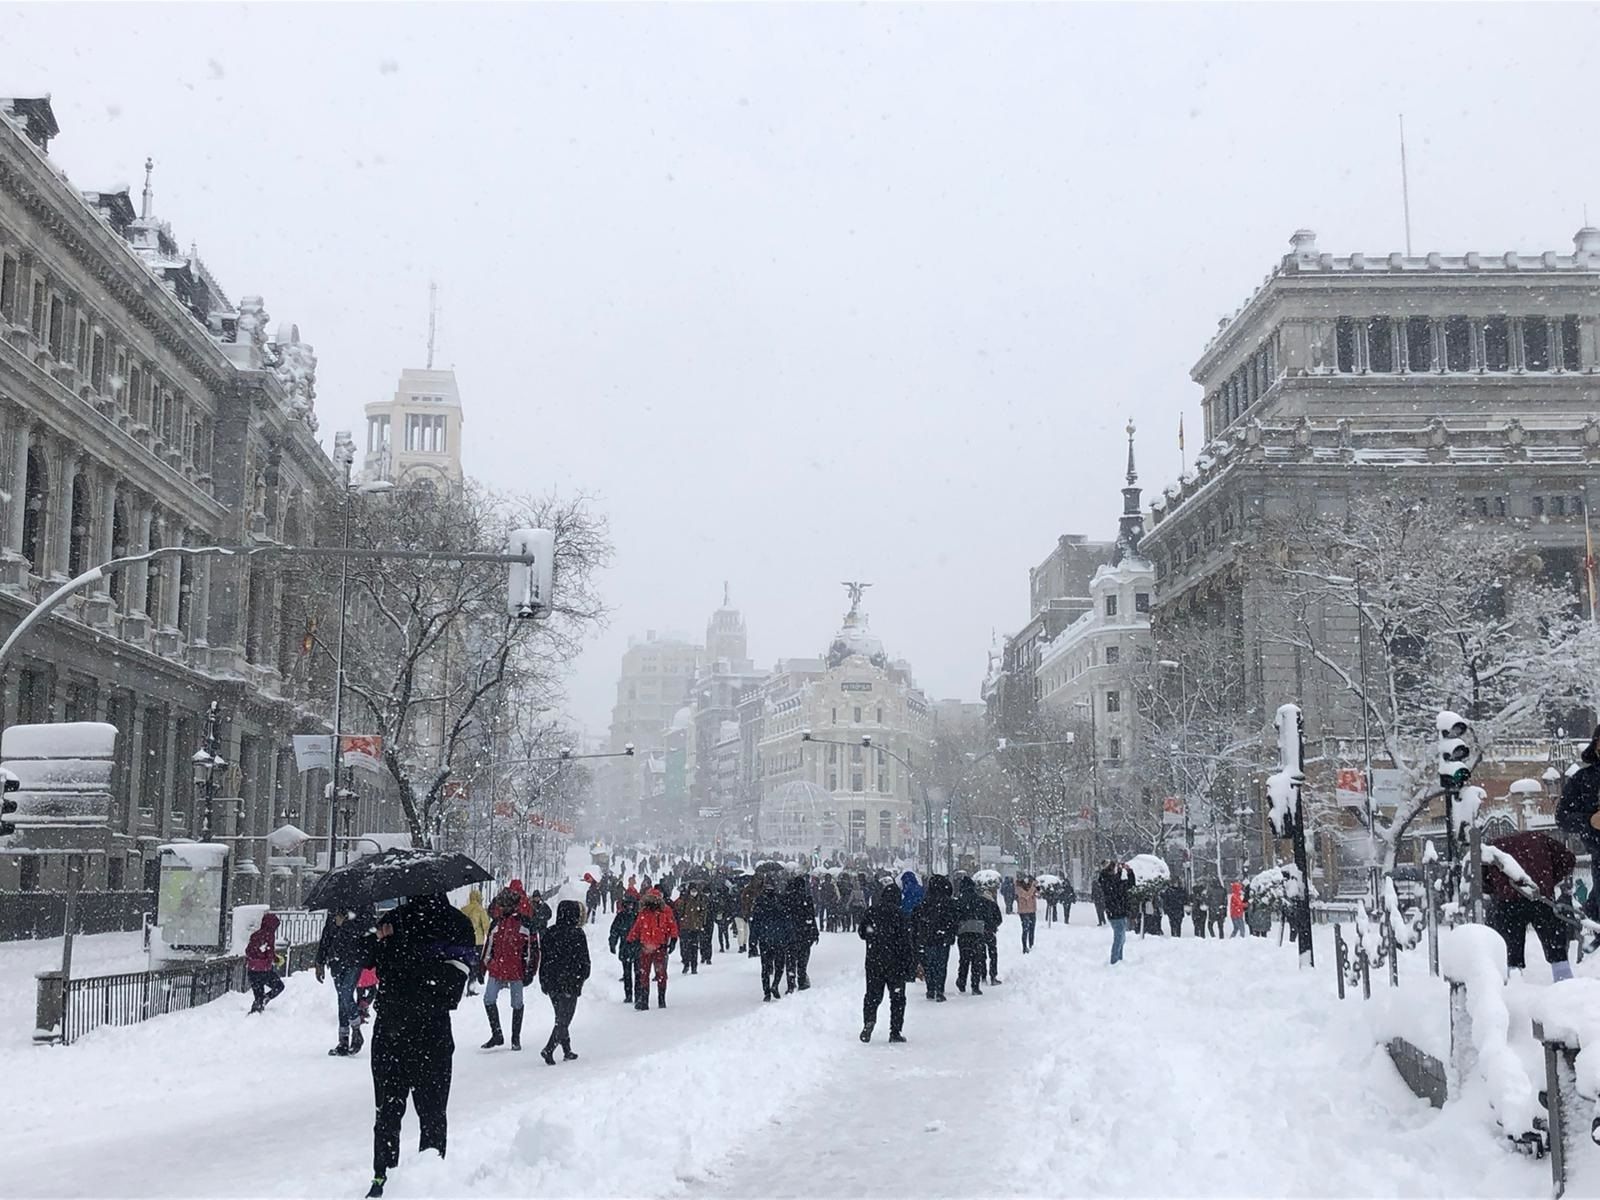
<point x="854" y="639"/>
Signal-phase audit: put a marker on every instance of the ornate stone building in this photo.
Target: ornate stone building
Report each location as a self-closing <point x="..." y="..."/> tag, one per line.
<point x="1470" y="381"/>
<point x="140" y="407"/>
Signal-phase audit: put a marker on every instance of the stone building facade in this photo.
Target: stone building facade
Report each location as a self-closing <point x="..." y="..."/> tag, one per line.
<point x="415" y="437"/>
<point x="1470" y="381"/>
<point x="140" y="407"/>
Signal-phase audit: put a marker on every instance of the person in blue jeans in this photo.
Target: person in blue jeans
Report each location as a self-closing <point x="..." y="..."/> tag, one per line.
<point x="934" y="928"/>
<point x="1116" y="887"/>
<point x="342" y="950"/>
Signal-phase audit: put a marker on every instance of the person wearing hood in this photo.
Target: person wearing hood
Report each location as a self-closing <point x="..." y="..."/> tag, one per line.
<point x="748" y="895"/>
<point x="538" y="916"/>
<point x="770" y="929"/>
<point x="511" y="954"/>
<point x="855" y="903"/>
<point x="592" y="895"/>
<point x="479" y="916"/>
<point x="627" y="952"/>
<point x="511" y="902"/>
<point x="971" y="924"/>
<point x="1578" y="813"/>
<point x="991" y="931"/>
<point x="935" y="933"/>
<point x="422" y="953"/>
<point x="342" y="949"/>
<point x="1027" y="898"/>
<point x="891" y="961"/>
<point x="563" y="969"/>
<point x="802" y="913"/>
<point x="1008" y="891"/>
<point x="694" y="925"/>
<point x="261" y="963"/>
<point x="911" y="892"/>
<point x="723" y="908"/>
<point x="1174" y="899"/>
<point x="1236" y="910"/>
<point x="656" y="932"/>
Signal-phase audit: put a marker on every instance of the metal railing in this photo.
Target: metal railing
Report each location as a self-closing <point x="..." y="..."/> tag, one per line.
<point x="134" y="996"/>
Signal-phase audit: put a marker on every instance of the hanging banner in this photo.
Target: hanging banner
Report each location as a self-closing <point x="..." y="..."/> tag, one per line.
<point x="1172" y="811"/>
<point x="363" y="752"/>
<point x="313" y="752"/>
<point x="1388" y="787"/>
<point x="1350" y="788"/>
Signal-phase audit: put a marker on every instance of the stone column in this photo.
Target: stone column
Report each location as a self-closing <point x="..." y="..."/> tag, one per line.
<point x="200" y="602"/>
<point x="106" y="520"/>
<point x="139" y="578"/>
<point x="171" y="578"/>
<point x="61" y="548"/>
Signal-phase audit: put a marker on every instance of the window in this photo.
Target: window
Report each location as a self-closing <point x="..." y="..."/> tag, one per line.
<point x="880" y="714"/>
<point x="8" y="288"/>
<point x="1113" y="701"/>
<point x="34" y="494"/>
<point x="858" y="829"/>
<point x="1457" y="344"/>
<point x="1538" y="506"/>
<point x="1536" y="343"/>
<point x="855" y="781"/>
<point x="1111" y="606"/>
<point x="1419" y="344"/>
<point x="36" y="321"/>
<point x="1570" y="358"/>
<point x="833" y="781"/>
<point x="1344" y="344"/>
<point x="425" y="433"/>
<point x="1113" y="655"/>
<point x="1141" y="602"/>
<point x="81" y="347"/>
<point x="1114" y="748"/>
<point x="885" y="827"/>
<point x="855" y="754"/>
<point x="857" y="717"/>
<point x="883" y="779"/>
<point x="1499" y="506"/>
<point x="1480" y="505"/>
<point x="833" y="753"/>
<point x="1380" y="345"/>
<point x="28" y="874"/>
<point x="58" y="328"/>
<point x="1558" y="506"/>
<point x="1497" y="344"/>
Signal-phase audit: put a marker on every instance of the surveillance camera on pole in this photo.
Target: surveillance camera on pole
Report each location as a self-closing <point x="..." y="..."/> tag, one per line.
<point x="529" y="584"/>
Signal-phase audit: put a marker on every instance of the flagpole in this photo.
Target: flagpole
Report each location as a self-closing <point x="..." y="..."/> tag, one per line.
<point x="1588" y="555"/>
<point x="1183" y="463"/>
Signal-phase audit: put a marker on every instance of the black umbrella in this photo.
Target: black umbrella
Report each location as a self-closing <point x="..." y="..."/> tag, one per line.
<point x="392" y="874"/>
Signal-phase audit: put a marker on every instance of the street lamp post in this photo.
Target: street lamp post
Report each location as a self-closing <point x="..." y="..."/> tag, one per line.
<point x="206" y="763"/>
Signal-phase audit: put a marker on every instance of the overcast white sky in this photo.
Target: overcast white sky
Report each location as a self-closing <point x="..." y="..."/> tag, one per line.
<point x="805" y="294"/>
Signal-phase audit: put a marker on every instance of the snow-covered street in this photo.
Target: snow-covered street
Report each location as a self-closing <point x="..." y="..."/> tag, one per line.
<point x="1197" y="1068"/>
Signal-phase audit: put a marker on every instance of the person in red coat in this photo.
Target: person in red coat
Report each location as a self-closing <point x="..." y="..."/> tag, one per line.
<point x="1517" y="902"/>
<point x="511" y="960"/>
<point x="1236" y="908"/>
<point x="261" y="963"/>
<point x="656" y="932"/>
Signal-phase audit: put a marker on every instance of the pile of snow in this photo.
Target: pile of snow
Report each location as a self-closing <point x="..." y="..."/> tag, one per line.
<point x="1475" y="955"/>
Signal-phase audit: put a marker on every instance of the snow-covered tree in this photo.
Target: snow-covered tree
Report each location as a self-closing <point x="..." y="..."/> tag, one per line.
<point x="429" y="648"/>
<point x="1454" y="617"/>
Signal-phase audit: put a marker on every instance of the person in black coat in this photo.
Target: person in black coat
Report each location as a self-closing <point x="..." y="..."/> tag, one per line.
<point x="617" y="939"/>
<point x="1174" y="899"/>
<point x="971" y="923"/>
<point x="770" y="929"/>
<point x="563" y="969"/>
<point x="935" y="933"/>
<point x="1069" y="897"/>
<point x="342" y="949"/>
<point x="1578" y="811"/>
<point x="891" y="961"/>
<point x="991" y="932"/>
<point x="423" y="953"/>
<point x="802" y="913"/>
<point x="1116" y="893"/>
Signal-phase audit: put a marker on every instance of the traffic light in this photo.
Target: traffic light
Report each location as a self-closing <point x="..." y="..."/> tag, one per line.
<point x="528" y="585"/>
<point x="1454" y="751"/>
<point x="8" y="783"/>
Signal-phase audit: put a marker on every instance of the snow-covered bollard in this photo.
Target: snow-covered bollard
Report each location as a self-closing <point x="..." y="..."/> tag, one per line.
<point x="1566" y="1020"/>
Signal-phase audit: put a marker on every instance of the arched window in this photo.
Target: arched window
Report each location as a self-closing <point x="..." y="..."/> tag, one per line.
<point x="34" y="496"/>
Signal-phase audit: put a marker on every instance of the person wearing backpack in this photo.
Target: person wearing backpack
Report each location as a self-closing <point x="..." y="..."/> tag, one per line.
<point x="1579" y="813"/>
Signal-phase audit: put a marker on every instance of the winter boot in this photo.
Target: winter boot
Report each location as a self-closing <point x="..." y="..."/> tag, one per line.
<point x="494" y="1029"/>
<point x="343" y="1048"/>
<point x="661" y="994"/>
<point x="549" y="1055"/>
<point x="641" y="998"/>
<point x="516" y="1029"/>
<point x="356" y="1040"/>
<point x="866" y="1032"/>
<point x="568" y="1054"/>
<point x="377" y="1187"/>
<point x="896" y="1036"/>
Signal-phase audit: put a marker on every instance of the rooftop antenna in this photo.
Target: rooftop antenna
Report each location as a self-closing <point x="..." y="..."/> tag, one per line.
<point x="144" y="203"/>
<point x="433" y="312"/>
<point x="1405" y="184"/>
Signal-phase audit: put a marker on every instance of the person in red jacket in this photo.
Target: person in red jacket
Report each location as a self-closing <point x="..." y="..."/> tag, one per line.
<point x="261" y="963"/>
<point x="1518" y="896"/>
<point x="656" y="931"/>
<point x="511" y="962"/>
<point x="1236" y="909"/>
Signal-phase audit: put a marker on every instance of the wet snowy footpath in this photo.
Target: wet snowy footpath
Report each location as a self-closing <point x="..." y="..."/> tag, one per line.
<point x="1196" y="1068"/>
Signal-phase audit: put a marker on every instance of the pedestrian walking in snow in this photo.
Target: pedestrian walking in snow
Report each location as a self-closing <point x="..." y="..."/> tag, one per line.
<point x="1216" y="907"/>
<point x="261" y="963"/>
<point x="748" y="895"/>
<point x="857" y="903"/>
<point x="971" y="923"/>
<point x="475" y="912"/>
<point x="1116" y="892"/>
<point x="723" y="908"/>
<point x="1519" y="903"/>
<point x="1097" y="894"/>
<point x="1027" y="901"/>
<point x="1236" y="909"/>
<point x="1174" y="899"/>
<point x="341" y="951"/>
<point x="1199" y="915"/>
<point x="563" y="970"/>
<point x="694" y="919"/>
<point x="627" y="952"/>
<point x="591" y="896"/>
<point x="1579" y="813"/>
<point x="991" y="932"/>
<point x="512" y="957"/>
<point x="891" y="962"/>
<point x="935" y="933"/>
<point x="1008" y="890"/>
<point x="422" y="952"/>
<point x="912" y="893"/>
<point x="802" y="916"/>
<point x="656" y="932"/>
<point x="1069" y="897"/>
<point x="770" y="928"/>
